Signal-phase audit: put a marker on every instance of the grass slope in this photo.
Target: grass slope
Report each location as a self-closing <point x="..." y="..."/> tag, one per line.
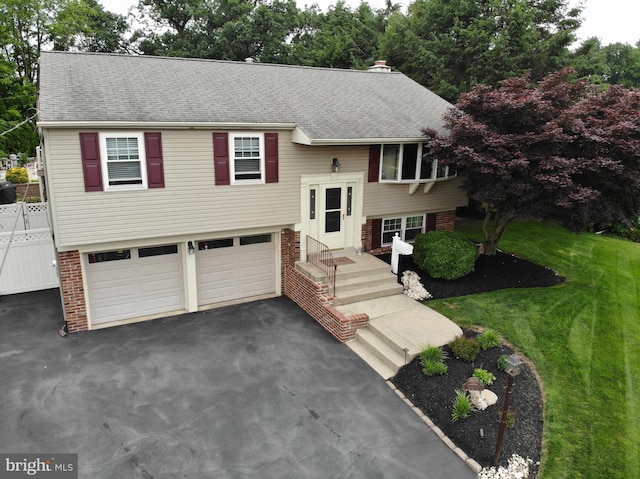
<point x="584" y="337"/>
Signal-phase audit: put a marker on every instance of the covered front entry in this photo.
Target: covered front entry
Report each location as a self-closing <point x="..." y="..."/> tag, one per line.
<point x="135" y="282"/>
<point x="332" y="209"/>
<point x="235" y="267"/>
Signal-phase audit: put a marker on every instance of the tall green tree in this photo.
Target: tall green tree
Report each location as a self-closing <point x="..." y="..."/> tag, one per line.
<point x="449" y="46"/>
<point x="341" y="37"/>
<point x="558" y="150"/>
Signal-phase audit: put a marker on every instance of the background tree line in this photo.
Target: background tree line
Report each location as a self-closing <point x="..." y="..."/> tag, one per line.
<point x="447" y="46"/>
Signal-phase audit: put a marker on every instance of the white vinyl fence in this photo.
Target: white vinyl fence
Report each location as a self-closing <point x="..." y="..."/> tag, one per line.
<point x="27" y="254"/>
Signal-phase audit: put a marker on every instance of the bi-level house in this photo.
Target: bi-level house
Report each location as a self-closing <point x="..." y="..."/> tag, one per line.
<point x="176" y="185"/>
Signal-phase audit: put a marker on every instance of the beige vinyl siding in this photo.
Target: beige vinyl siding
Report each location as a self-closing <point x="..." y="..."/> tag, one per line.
<point x="190" y="203"/>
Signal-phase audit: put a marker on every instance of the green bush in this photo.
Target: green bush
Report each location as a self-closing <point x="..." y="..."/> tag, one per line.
<point x="17" y="175"/>
<point x="431" y="368"/>
<point x="433" y="354"/>
<point x="445" y="254"/>
<point x="465" y="348"/>
<point x="486" y="377"/>
<point x="489" y="339"/>
<point x="433" y="359"/>
<point x="462" y="405"/>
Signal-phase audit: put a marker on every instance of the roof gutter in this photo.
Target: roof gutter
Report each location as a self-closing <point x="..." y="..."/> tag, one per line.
<point x="165" y="125"/>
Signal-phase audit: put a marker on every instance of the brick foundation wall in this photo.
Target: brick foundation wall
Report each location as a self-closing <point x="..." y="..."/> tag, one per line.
<point x="73" y="291"/>
<point x="445" y="220"/>
<point x="315" y="299"/>
<point x="289" y="252"/>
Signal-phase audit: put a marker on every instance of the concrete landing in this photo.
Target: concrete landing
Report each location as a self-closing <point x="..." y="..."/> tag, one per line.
<point x="399" y="329"/>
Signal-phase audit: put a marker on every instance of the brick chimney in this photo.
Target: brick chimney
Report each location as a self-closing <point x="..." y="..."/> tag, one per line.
<point x="380" y="66"/>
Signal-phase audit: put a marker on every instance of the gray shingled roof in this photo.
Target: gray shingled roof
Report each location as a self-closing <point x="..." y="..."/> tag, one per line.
<point x="325" y="103"/>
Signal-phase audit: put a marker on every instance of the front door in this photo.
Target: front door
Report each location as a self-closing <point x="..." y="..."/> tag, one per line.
<point x="332" y="209"/>
<point x="333" y="215"/>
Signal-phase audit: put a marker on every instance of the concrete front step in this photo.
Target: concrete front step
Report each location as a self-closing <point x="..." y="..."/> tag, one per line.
<point x="369" y="280"/>
<point x="368" y="357"/>
<point x="381" y="349"/>
<point x="365" y="293"/>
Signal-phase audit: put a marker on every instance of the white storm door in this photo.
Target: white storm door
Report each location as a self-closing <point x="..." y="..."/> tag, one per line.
<point x="333" y="215"/>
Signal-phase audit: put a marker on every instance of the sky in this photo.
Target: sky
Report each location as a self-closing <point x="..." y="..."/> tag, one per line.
<point x="610" y="20"/>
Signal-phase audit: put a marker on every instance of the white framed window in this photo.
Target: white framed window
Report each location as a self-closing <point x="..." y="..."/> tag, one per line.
<point x="246" y="152"/>
<point x="407" y="227"/>
<point x="408" y="162"/>
<point x="123" y="161"/>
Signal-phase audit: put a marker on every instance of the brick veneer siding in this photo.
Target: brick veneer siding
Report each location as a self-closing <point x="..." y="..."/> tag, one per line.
<point x="445" y="220"/>
<point x="74" y="304"/>
<point x="315" y="299"/>
<point x="289" y="252"/>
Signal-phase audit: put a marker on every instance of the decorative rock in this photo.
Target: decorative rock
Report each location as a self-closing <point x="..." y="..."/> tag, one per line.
<point x="483" y="399"/>
<point x="413" y="287"/>
<point x="473" y="384"/>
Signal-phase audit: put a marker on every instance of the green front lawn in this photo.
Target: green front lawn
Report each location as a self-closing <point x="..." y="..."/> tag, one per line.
<point x="583" y="336"/>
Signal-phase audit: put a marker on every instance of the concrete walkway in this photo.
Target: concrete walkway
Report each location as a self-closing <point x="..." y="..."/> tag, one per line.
<point x="251" y="390"/>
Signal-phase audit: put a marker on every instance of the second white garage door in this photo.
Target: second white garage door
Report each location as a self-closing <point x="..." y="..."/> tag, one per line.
<point x="235" y="268"/>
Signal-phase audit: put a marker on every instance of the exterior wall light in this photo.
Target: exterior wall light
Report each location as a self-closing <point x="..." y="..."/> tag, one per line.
<point x="192" y="249"/>
<point x="335" y="165"/>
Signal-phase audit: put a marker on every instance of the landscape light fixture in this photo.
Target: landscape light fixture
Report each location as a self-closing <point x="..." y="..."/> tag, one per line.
<point x="513" y="366"/>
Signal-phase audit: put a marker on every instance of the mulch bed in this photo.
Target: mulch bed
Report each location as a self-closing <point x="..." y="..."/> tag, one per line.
<point x="477" y="434"/>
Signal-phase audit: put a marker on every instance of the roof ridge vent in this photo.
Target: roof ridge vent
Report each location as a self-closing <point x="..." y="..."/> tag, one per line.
<point x="380" y="66"/>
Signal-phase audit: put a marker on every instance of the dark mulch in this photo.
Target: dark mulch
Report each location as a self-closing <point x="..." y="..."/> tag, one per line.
<point x="434" y="395"/>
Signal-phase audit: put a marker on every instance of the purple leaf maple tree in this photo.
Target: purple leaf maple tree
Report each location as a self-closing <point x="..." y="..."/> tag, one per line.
<point x="559" y="150"/>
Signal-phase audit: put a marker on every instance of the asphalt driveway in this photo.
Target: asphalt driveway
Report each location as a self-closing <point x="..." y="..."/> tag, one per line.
<point x="252" y="390"/>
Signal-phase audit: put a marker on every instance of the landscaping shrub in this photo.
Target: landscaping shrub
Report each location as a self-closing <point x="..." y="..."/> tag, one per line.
<point x="465" y="348"/>
<point x="462" y="405"/>
<point x="486" y="377"/>
<point x="445" y="254"/>
<point x="489" y="339"/>
<point x="433" y="361"/>
<point x="17" y="175"/>
<point x="502" y="362"/>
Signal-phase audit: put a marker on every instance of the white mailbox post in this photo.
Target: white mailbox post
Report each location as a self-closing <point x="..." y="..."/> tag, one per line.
<point x="399" y="247"/>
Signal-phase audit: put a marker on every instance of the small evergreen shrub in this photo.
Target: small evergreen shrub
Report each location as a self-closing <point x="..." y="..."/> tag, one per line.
<point x="462" y="405"/>
<point x="465" y="348"/>
<point x="489" y="339"/>
<point x="445" y="254"/>
<point x="17" y="175"/>
<point x="502" y="362"/>
<point x="486" y="377"/>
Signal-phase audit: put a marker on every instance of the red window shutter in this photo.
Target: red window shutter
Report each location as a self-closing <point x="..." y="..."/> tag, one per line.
<point x="155" y="162"/>
<point x="271" y="157"/>
<point x="374" y="163"/>
<point x="221" y="158"/>
<point x="376" y="233"/>
<point x="91" y="169"/>
<point x="431" y="222"/>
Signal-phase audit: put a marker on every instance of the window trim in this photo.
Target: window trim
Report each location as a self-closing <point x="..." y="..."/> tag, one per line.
<point x="232" y="157"/>
<point x="417" y="178"/>
<point x="403" y="227"/>
<point x="104" y="160"/>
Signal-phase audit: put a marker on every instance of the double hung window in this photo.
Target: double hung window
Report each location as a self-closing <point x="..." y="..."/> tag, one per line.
<point x="124" y="164"/>
<point x="407" y="227"/>
<point x="247" y="157"/>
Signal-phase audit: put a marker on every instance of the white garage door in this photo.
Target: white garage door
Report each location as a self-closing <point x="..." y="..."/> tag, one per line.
<point x="132" y="283"/>
<point x="235" y="268"/>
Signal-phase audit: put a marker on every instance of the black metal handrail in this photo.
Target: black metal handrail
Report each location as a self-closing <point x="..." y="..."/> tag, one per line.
<point x="320" y="256"/>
